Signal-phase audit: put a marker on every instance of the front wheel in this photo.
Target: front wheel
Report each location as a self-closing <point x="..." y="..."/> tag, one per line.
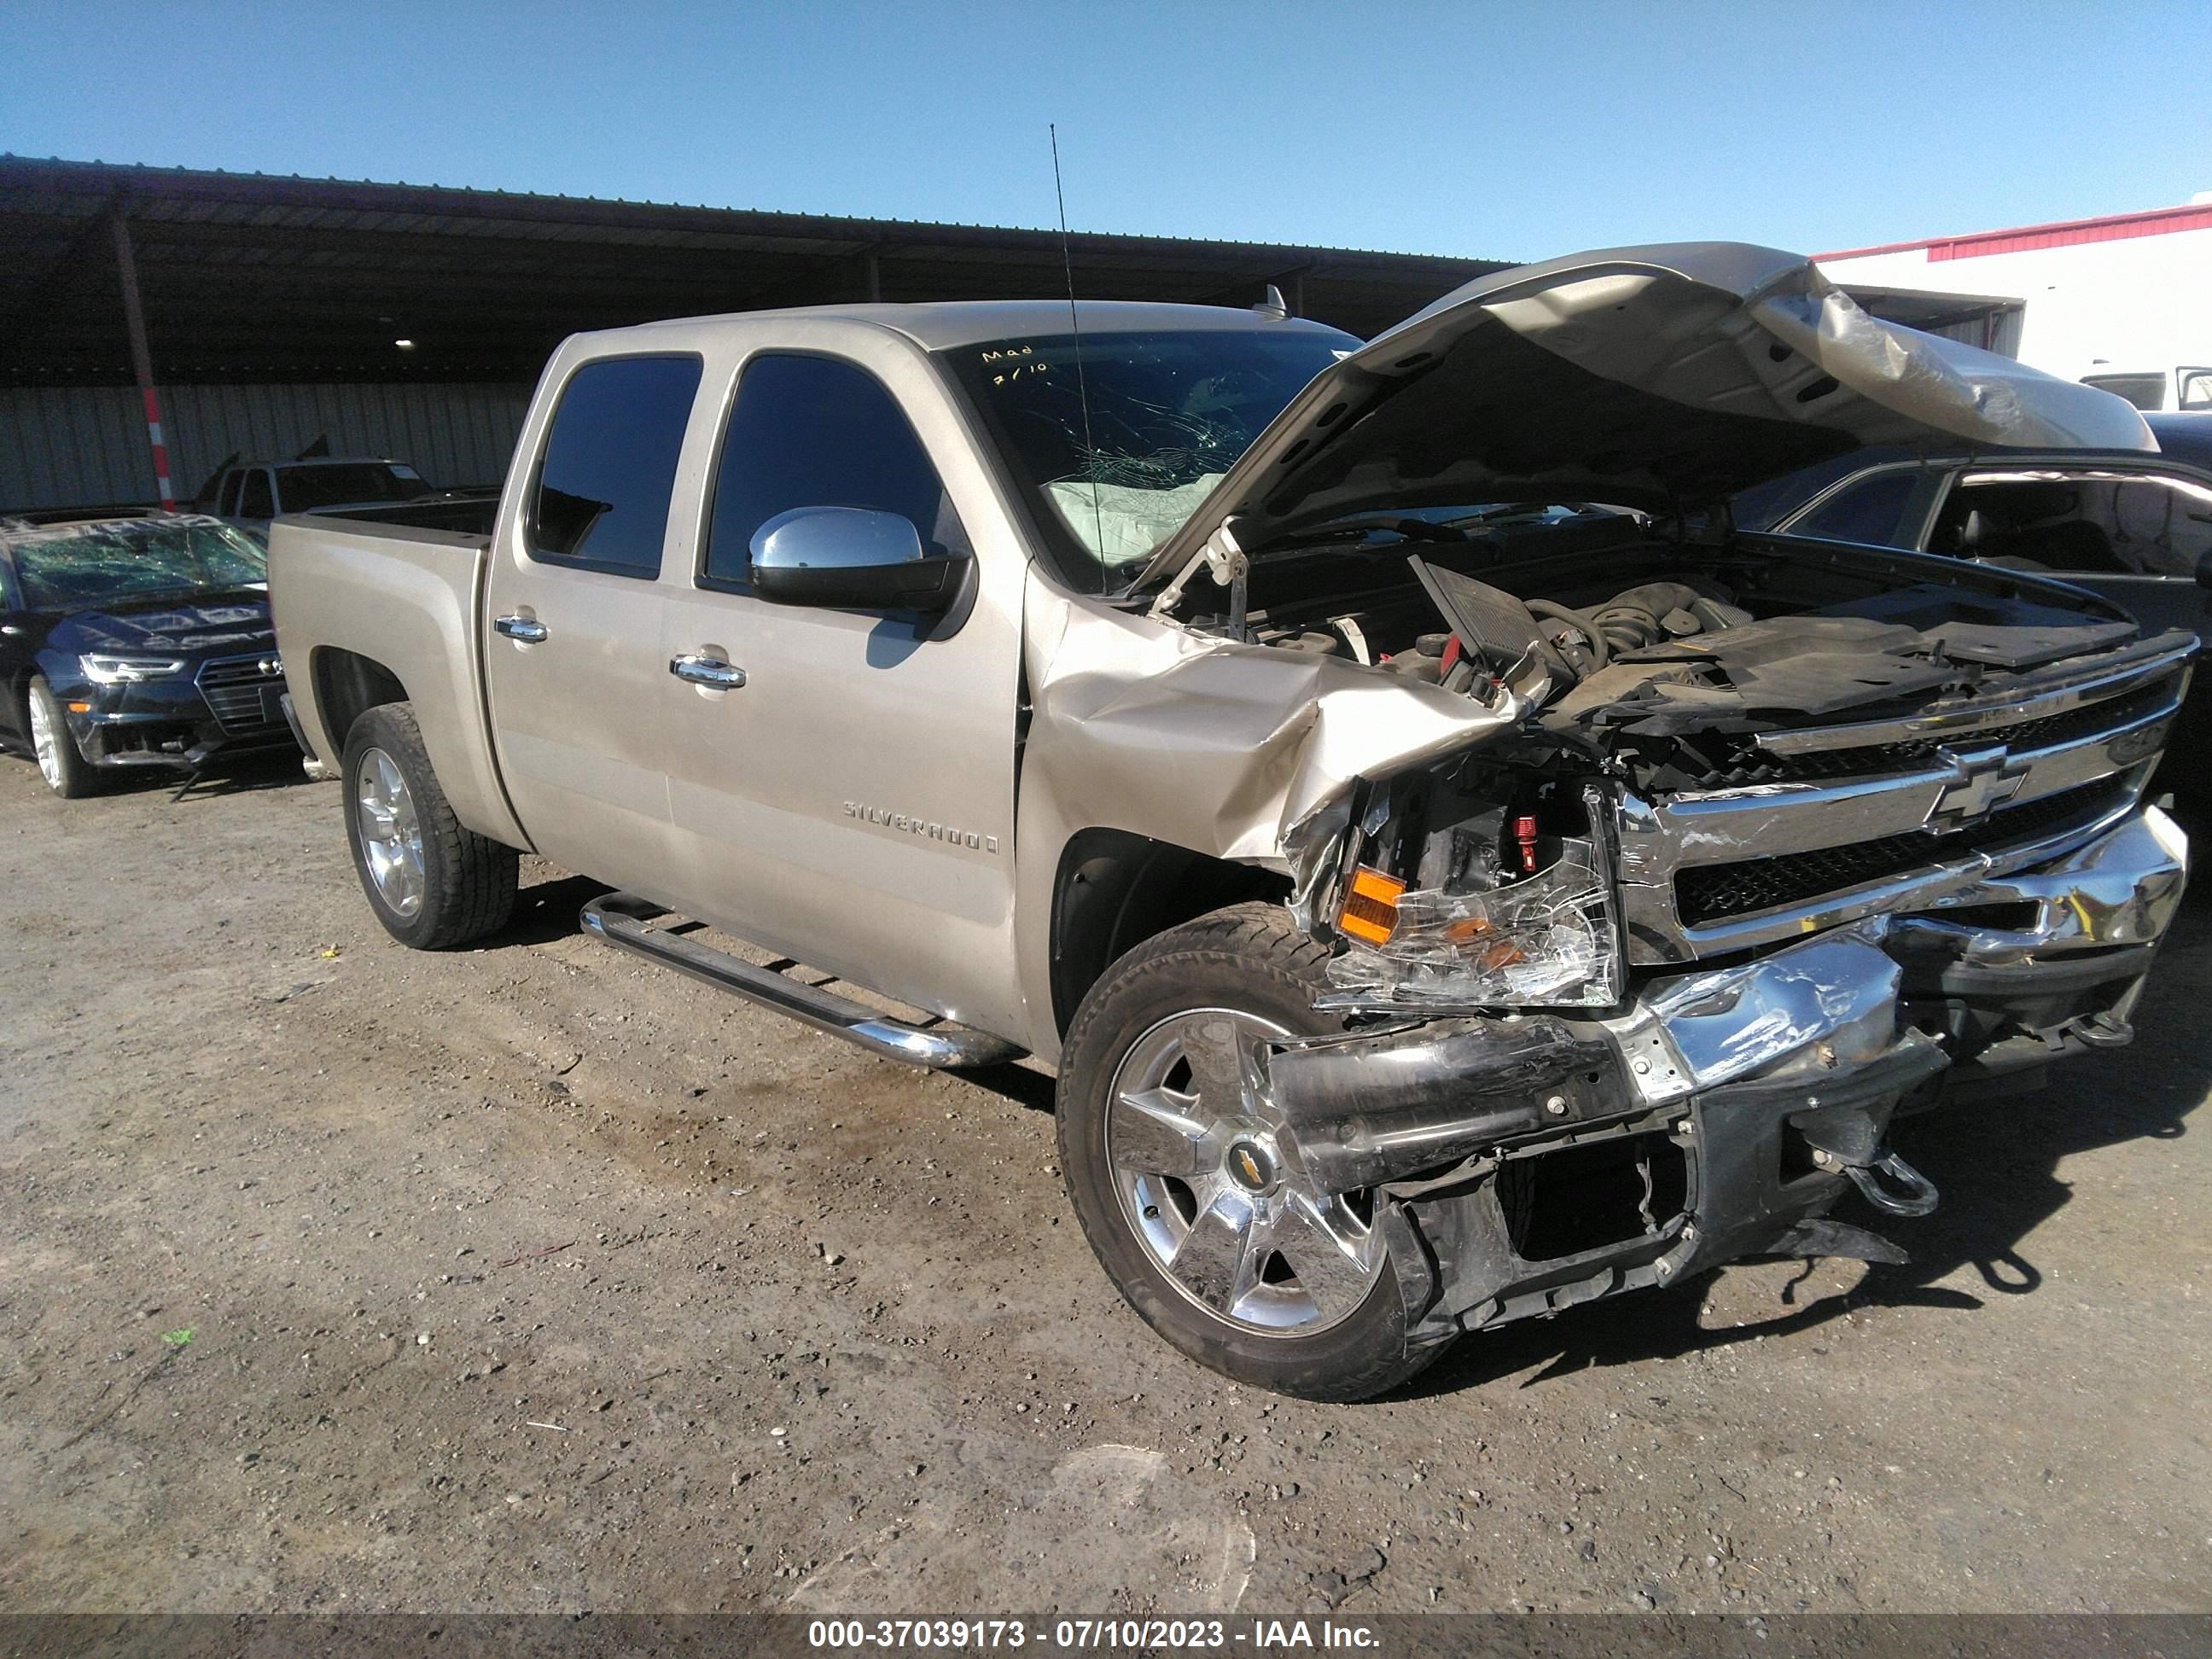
<point x="64" y="768"/>
<point x="432" y="883"/>
<point x="1190" y="1187"/>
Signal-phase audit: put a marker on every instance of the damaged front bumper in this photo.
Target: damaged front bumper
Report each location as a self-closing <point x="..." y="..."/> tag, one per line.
<point x="1523" y="1162"/>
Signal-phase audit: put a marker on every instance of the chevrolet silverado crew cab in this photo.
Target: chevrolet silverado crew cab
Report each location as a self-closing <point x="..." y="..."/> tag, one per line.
<point x="1454" y="874"/>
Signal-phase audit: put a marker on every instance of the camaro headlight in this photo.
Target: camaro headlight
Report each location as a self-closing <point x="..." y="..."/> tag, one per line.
<point x="130" y="671"/>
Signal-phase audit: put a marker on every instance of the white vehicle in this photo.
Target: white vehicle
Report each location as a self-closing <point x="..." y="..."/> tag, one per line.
<point x="2185" y="386"/>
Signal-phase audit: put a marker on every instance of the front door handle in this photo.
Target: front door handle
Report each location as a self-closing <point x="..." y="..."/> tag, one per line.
<point x="527" y="629"/>
<point x="710" y="671"/>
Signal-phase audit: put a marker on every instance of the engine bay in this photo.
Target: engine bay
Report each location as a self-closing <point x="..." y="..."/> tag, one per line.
<point x="1646" y="640"/>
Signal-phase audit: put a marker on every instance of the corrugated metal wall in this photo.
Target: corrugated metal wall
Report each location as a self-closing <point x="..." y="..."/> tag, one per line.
<point x="66" y="446"/>
<point x="1998" y="331"/>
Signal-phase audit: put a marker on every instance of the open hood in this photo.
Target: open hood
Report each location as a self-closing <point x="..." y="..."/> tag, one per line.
<point x="1665" y="378"/>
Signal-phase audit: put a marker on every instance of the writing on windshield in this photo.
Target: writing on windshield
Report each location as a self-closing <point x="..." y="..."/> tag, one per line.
<point x="1116" y="441"/>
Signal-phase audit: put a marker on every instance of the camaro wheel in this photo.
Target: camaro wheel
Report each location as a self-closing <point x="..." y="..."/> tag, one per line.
<point x="1188" y="1183"/>
<point x="65" y="768"/>
<point x="432" y="882"/>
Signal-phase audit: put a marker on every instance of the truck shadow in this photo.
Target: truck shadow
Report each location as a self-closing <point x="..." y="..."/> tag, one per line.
<point x="546" y="911"/>
<point x="1996" y="1161"/>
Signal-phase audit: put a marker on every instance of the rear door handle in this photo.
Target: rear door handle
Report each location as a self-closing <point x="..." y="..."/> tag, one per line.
<point x="527" y="629"/>
<point x="709" y="671"/>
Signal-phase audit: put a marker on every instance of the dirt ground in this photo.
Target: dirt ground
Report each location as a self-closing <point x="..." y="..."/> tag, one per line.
<point x="530" y="1277"/>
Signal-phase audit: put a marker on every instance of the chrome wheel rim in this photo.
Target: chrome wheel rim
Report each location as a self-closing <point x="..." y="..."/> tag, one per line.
<point x="1212" y="1185"/>
<point x="45" y="743"/>
<point x="390" y="839"/>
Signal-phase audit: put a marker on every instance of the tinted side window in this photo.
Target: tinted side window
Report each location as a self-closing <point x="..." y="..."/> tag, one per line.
<point x="227" y="506"/>
<point x="816" y="431"/>
<point x="609" y="467"/>
<point x="1867" y="511"/>
<point x="253" y="499"/>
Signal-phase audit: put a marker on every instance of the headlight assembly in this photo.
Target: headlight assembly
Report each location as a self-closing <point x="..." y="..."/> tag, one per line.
<point x="1508" y="912"/>
<point x="130" y="671"/>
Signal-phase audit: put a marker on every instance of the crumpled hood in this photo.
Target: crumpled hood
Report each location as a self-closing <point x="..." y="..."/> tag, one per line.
<point x="1665" y="378"/>
<point x="207" y="626"/>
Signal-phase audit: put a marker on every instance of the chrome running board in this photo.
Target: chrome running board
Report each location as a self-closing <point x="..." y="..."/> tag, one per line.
<point x="623" y="920"/>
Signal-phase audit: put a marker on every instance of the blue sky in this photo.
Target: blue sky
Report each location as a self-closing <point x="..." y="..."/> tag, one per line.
<point x="1492" y="130"/>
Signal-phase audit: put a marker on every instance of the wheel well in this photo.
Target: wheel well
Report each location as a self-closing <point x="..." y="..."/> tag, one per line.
<point x="1114" y="890"/>
<point x="347" y="686"/>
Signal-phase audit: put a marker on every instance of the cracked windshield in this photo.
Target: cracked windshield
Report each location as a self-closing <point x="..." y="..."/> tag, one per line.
<point x="1119" y="445"/>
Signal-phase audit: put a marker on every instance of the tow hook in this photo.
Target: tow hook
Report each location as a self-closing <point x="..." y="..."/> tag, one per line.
<point x="1919" y="1196"/>
<point x="2104" y="1031"/>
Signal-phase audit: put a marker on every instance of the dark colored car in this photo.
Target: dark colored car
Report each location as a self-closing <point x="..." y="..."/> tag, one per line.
<point x="2133" y="526"/>
<point x="134" y="643"/>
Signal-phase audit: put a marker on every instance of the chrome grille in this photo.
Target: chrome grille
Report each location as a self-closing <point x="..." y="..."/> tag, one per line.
<point x="1714" y="892"/>
<point x="243" y="692"/>
<point x="1744" y="763"/>
<point x="1839" y="822"/>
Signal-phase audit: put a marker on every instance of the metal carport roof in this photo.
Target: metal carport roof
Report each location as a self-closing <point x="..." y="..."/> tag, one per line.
<point x="255" y="277"/>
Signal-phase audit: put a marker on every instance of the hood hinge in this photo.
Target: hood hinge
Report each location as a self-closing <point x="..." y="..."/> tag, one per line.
<point x="1221" y="555"/>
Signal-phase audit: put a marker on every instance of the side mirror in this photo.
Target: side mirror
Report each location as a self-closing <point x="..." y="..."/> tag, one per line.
<point x="851" y="558"/>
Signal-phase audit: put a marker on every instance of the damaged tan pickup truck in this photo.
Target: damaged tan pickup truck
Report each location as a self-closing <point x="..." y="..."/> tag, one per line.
<point x="1454" y="875"/>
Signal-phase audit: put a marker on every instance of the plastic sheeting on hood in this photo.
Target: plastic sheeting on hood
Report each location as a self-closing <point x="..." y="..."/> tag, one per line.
<point x="1665" y="378"/>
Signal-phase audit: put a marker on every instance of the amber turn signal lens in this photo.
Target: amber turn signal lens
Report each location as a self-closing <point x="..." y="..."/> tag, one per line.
<point x="79" y="709"/>
<point x="1370" y="906"/>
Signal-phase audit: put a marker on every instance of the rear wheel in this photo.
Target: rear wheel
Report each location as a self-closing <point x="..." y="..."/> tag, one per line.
<point x="1190" y="1187"/>
<point x="61" y="764"/>
<point x="432" y="883"/>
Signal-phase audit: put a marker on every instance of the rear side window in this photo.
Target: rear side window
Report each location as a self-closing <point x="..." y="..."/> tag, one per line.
<point x="601" y="499"/>
<point x="1871" y="510"/>
<point x="254" y="498"/>
<point x="818" y="432"/>
<point x="2097" y="524"/>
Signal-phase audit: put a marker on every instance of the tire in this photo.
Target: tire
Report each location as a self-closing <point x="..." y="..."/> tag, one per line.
<point x="432" y="883"/>
<point x="1278" y="1306"/>
<point x="64" y="768"/>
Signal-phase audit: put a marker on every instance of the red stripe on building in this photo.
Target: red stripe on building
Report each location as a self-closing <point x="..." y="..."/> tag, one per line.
<point x="2066" y="233"/>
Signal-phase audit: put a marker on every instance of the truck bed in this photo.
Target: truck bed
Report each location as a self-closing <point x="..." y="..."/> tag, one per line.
<point x="409" y="596"/>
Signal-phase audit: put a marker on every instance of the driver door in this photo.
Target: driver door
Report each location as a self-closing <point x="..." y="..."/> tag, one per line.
<point x="852" y="804"/>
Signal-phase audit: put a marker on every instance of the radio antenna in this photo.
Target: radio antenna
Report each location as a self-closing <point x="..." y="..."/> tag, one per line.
<point x="1075" y="327"/>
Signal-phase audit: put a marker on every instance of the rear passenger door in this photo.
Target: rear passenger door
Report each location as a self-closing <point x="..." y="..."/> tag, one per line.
<point x="852" y="805"/>
<point x="572" y="652"/>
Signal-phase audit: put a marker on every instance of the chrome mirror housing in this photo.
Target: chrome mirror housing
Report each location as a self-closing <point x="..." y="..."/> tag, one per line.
<point x="851" y="557"/>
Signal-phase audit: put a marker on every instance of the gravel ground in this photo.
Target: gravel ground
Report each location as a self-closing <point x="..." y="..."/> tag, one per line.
<point x="529" y="1278"/>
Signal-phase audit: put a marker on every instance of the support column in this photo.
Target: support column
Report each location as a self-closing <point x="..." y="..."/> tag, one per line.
<point x="142" y="360"/>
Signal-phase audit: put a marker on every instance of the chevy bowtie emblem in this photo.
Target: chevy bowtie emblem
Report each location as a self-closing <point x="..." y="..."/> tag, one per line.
<point x="1986" y="779"/>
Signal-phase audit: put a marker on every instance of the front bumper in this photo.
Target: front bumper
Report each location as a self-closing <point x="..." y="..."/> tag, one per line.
<point x="1524" y="1164"/>
<point x="177" y="724"/>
